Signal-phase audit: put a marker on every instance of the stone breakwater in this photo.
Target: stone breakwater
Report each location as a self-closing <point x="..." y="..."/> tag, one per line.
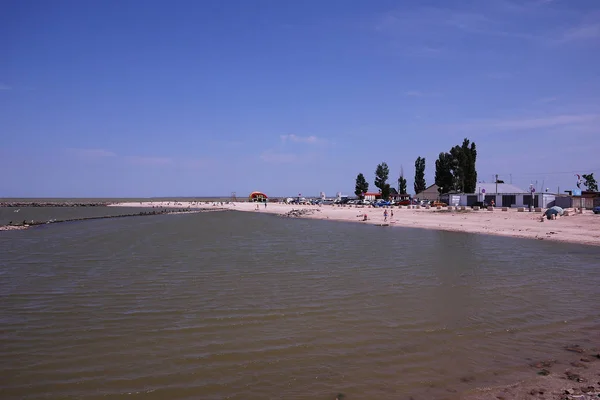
<point x="53" y="204"/>
<point x="28" y="224"/>
<point x="299" y="213"/>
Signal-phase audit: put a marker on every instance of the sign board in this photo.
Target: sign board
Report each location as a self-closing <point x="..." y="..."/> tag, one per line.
<point x="455" y="200"/>
<point x="532" y="190"/>
<point x="483" y="191"/>
<point x="576" y="192"/>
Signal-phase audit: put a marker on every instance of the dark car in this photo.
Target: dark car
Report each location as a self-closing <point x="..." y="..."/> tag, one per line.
<point x="597" y="210"/>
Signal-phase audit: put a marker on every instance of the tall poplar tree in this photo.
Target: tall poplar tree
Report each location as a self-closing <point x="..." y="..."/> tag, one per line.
<point x="420" y="184"/>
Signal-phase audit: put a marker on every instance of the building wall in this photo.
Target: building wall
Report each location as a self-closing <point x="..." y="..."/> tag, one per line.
<point x="548" y="200"/>
<point x="585" y="202"/>
<point x="564" y="201"/>
<point x="431" y="194"/>
<point x="543" y="200"/>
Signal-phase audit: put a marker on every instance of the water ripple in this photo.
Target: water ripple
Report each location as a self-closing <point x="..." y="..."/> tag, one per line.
<point x="227" y="305"/>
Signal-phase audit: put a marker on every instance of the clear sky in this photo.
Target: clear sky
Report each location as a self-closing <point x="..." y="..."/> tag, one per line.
<point x="199" y="98"/>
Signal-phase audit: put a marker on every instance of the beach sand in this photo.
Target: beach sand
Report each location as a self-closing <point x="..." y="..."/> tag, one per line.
<point x="576" y="376"/>
<point x="576" y="228"/>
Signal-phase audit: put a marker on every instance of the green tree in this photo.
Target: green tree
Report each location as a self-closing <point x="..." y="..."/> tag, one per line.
<point x="362" y="186"/>
<point x="462" y="167"/>
<point x="402" y="185"/>
<point x="590" y="182"/>
<point x="443" y="173"/>
<point x="470" y="178"/>
<point x="457" y="167"/>
<point x="385" y="191"/>
<point x="420" y="184"/>
<point x="401" y="182"/>
<point x="381" y="175"/>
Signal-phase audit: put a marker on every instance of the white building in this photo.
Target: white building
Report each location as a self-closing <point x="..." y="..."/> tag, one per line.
<point x="503" y="195"/>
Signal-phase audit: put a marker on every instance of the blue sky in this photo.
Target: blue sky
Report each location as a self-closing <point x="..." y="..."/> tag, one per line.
<point x="200" y="98"/>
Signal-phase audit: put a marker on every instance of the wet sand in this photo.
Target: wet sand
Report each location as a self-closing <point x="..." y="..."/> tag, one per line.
<point x="575" y="377"/>
<point x="576" y="228"/>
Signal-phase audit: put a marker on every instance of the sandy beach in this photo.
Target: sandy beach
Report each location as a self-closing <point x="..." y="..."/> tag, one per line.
<point x="576" y="376"/>
<point x="575" y="228"/>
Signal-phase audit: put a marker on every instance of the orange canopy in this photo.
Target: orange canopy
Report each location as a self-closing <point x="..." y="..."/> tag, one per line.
<point x="258" y="195"/>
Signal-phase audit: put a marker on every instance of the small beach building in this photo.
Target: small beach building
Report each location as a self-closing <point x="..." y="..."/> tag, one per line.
<point x="502" y="194"/>
<point x="372" y="196"/>
<point x="258" y="197"/>
<point x="393" y="194"/>
<point x="579" y="199"/>
<point x="431" y="193"/>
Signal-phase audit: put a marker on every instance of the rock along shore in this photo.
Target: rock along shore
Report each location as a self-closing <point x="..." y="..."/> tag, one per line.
<point x="26" y="224"/>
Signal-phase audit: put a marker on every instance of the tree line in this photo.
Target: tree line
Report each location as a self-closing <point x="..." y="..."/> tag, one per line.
<point x="454" y="170"/>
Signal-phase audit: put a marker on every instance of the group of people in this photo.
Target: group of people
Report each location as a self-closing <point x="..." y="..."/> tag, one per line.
<point x="385" y="215"/>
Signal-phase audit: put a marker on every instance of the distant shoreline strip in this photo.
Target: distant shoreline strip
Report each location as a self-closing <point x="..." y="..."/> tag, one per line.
<point x="139" y="214"/>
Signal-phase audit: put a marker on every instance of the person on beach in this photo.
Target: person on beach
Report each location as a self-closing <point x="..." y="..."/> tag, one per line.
<point x="385" y="215"/>
<point x="391" y="214"/>
<point x="265" y="204"/>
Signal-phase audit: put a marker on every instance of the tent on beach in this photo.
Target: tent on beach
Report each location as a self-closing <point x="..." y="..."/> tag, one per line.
<point x="258" y="196"/>
<point x="556" y="210"/>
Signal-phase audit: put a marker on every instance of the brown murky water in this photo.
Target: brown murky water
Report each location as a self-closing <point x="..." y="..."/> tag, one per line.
<point x="242" y="306"/>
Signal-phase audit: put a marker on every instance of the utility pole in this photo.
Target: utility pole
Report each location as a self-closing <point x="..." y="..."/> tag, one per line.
<point x="531" y="192"/>
<point x="496" y="184"/>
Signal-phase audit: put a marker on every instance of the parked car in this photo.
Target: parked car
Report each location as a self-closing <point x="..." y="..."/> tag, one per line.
<point x="382" y="203"/>
<point x="439" y="204"/>
<point x="596" y="210"/>
<point x="403" y="203"/>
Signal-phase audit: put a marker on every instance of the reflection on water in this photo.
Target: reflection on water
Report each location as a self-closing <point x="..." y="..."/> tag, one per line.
<point x="244" y="306"/>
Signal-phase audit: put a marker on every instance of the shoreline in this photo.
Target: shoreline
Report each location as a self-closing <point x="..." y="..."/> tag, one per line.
<point x="576" y="375"/>
<point x="576" y="228"/>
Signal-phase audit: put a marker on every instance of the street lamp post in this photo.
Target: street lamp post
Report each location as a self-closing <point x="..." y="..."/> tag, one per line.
<point x="532" y="191"/>
<point x="496" y="194"/>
